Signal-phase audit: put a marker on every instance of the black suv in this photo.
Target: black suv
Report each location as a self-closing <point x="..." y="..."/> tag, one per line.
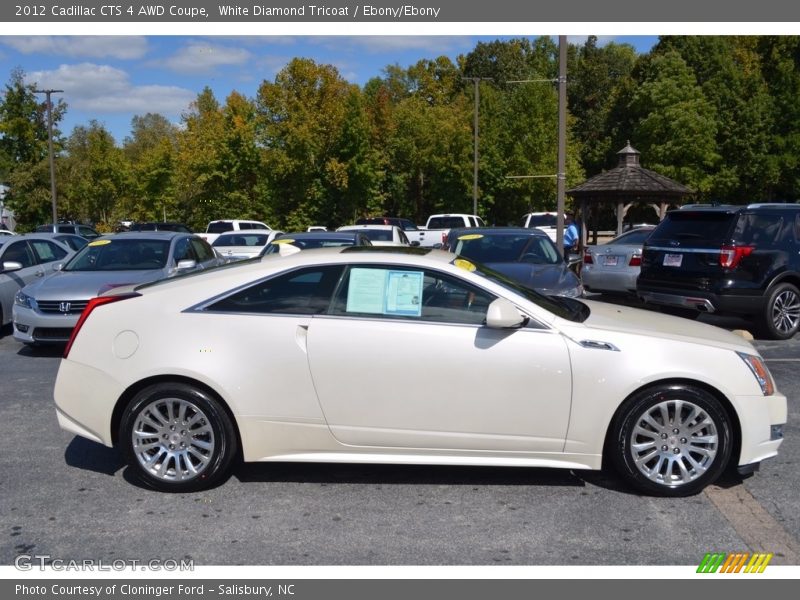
<point x="742" y="260"/>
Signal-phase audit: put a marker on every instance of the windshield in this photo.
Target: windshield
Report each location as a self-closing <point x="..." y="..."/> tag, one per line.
<point x="242" y="239"/>
<point x="123" y="254"/>
<point x="566" y="308"/>
<point x="632" y="238"/>
<point x="318" y="241"/>
<point x="378" y="235"/>
<point x="508" y="248"/>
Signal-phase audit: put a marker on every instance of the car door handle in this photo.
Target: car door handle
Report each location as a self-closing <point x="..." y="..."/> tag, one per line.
<point x="301" y="337"/>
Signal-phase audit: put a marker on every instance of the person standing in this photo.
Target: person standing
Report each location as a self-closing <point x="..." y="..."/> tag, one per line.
<point x="571" y="235"/>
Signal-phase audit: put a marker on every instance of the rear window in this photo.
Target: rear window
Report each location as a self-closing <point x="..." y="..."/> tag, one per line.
<point x="704" y="227"/>
<point x="219" y="227"/>
<point x="379" y="235"/>
<point x="445" y="222"/>
<point x="548" y="220"/>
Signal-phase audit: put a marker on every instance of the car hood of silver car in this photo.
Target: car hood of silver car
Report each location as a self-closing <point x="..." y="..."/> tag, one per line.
<point x="82" y="285"/>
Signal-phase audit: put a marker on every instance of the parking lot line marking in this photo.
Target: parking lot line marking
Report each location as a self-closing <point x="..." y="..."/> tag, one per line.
<point x="759" y="530"/>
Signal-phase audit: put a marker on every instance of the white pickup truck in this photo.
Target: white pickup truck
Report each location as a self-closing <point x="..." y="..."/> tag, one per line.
<point x="438" y="226"/>
<point x="216" y="227"/>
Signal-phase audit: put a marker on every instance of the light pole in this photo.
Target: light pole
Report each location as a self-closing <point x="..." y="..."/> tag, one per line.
<point x="476" y="81"/>
<point x="561" y="175"/>
<point x="50" y="147"/>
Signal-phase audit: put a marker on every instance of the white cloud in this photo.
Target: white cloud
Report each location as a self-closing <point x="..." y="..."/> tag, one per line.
<point x="107" y="90"/>
<point x="388" y="44"/>
<point x="200" y="57"/>
<point x="98" y="46"/>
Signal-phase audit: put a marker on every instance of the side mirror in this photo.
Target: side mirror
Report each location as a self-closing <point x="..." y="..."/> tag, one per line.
<point x="11" y="265"/>
<point x="186" y="264"/>
<point x="502" y="314"/>
<point x="415" y="243"/>
<point x="58" y="266"/>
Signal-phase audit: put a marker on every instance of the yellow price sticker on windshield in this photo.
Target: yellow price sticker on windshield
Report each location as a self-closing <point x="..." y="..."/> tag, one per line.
<point x="99" y="243"/>
<point x="471" y="236"/>
<point x="282" y="241"/>
<point x="462" y="263"/>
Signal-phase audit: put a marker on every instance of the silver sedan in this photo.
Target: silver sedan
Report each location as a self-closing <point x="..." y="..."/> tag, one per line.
<point x="47" y="310"/>
<point x="614" y="266"/>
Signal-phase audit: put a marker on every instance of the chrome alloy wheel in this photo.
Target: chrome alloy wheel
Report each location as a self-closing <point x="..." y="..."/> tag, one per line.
<point x="674" y="442"/>
<point x="172" y="439"/>
<point x="786" y="311"/>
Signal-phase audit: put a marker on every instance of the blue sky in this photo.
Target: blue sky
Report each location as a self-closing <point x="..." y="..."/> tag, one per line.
<point x="113" y="78"/>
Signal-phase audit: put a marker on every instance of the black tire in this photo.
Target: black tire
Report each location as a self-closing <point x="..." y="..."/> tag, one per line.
<point x="780" y="318"/>
<point x="682" y="463"/>
<point x="177" y="438"/>
<point x="677" y="311"/>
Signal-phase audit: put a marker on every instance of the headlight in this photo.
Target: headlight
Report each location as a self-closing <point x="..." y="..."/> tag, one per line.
<point x="760" y="372"/>
<point x="21" y="299"/>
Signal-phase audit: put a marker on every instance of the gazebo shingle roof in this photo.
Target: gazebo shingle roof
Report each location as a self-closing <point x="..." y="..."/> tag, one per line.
<point x="629" y="180"/>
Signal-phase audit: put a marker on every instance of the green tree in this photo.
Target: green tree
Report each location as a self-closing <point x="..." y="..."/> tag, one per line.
<point x="728" y="70"/>
<point x="301" y="118"/>
<point x="94" y="173"/>
<point x="24" y="165"/>
<point x="599" y="78"/>
<point x="675" y="126"/>
<point x="780" y="63"/>
<point x="199" y="176"/>
<point x="150" y="152"/>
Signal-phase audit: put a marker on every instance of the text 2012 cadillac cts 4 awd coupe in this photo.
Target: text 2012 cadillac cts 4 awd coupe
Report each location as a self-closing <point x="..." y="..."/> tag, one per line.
<point x="287" y="359"/>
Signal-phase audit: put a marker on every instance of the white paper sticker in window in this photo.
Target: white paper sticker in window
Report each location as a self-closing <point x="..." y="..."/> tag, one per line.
<point x="366" y="291"/>
<point x="404" y="293"/>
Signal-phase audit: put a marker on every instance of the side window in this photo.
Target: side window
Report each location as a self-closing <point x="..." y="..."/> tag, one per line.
<point x="408" y="293"/>
<point x="304" y="292"/>
<point x="21" y="253"/>
<point x="202" y="250"/>
<point x="47" y="251"/>
<point x="183" y="250"/>
<point x="758" y="229"/>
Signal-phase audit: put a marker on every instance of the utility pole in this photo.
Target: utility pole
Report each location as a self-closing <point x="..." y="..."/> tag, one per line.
<point x="476" y="81"/>
<point x="50" y="147"/>
<point x="562" y="139"/>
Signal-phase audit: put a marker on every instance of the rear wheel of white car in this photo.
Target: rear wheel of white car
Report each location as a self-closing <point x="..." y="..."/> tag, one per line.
<point x="177" y="438"/>
<point x="672" y="440"/>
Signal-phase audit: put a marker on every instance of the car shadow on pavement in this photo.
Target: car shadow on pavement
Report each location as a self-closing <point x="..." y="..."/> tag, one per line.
<point x="91" y="456"/>
<point x="404" y="474"/>
<point x="47" y="351"/>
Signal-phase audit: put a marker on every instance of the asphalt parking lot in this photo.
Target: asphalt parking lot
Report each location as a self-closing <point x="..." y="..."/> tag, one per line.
<point x="73" y="499"/>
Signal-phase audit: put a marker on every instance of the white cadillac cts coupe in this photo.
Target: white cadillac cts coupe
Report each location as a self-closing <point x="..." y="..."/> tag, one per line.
<point x="413" y="356"/>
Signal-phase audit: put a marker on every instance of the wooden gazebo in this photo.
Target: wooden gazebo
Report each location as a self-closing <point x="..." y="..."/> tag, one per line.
<point x="625" y="185"/>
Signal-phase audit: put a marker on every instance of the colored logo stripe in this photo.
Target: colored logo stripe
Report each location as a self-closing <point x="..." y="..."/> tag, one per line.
<point x="733" y="563"/>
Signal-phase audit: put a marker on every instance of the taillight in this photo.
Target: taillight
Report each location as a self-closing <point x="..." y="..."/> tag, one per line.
<point x="636" y="260"/>
<point x="444" y="238"/>
<point x="587" y="257"/>
<point x="731" y="256"/>
<point x="93" y="303"/>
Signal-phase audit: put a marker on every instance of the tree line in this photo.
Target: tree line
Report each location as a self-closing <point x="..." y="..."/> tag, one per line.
<point x="718" y="114"/>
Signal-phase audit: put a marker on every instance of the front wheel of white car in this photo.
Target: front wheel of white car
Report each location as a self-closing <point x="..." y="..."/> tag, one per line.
<point x="177" y="438"/>
<point x="672" y="440"/>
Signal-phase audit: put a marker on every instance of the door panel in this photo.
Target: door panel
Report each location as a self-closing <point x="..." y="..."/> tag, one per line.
<point x="406" y="384"/>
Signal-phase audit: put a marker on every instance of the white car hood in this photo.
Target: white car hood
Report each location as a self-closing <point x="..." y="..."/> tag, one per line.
<point x="636" y="321"/>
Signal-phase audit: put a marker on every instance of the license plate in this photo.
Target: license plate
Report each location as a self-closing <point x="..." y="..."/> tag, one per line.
<point x="673" y="260"/>
<point x="610" y="261"/>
